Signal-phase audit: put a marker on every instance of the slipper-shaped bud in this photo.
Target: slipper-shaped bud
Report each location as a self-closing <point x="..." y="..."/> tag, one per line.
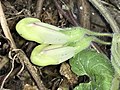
<point x="33" y="29"/>
<point x="43" y="55"/>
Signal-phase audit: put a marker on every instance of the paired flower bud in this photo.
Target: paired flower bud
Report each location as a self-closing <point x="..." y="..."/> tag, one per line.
<point x="57" y="45"/>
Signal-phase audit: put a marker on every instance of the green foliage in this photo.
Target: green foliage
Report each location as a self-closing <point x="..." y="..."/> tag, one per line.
<point x="96" y="66"/>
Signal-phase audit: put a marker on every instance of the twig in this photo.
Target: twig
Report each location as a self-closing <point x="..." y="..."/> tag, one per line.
<point x="84" y="14"/>
<point x="31" y="69"/>
<point x="63" y="13"/>
<point x="3" y="61"/>
<point x="106" y="14"/>
<point x="5" y="27"/>
<point x="72" y="17"/>
<point x="22" y="57"/>
<point x="9" y="72"/>
<point x="39" y="8"/>
<point x="85" y="19"/>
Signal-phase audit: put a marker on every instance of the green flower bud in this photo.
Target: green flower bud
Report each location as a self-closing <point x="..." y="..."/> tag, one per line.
<point x="44" y="55"/>
<point x="65" y="42"/>
<point x="34" y="30"/>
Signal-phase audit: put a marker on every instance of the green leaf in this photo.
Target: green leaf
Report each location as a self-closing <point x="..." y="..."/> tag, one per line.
<point x="96" y="66"/>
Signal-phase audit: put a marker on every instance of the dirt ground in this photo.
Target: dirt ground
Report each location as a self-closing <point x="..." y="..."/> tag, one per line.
<point x="61" y="13"/>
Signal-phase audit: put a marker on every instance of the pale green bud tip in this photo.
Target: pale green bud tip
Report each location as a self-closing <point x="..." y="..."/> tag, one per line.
<point x="34" y="30"/>
<point x="51" y="55"/>
<point x="25" y="21"/>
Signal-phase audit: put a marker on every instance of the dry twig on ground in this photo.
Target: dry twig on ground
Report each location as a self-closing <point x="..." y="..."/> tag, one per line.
<point x="22" y="57"/>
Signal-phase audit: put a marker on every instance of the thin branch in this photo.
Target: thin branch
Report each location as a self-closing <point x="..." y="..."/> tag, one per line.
<point x="39" y="5"/>
<point x="31" y="69"/>
<point x="106" y="14"/>
<point x="64" y="13"/>
<point x="3" y="61"/>
<point x="5" y="27"/>
<point x="3" y="82"/>
<point x="72" y="18"/>
<point x="85" y="19"/>
<point x="84" y="13"/>
<point x="22" y="57"/>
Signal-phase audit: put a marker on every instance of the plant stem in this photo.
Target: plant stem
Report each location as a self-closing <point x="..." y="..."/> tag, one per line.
<point x="115" y="82"/>
<point x="102" y="42"/>
<point x="100" y="34"/>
